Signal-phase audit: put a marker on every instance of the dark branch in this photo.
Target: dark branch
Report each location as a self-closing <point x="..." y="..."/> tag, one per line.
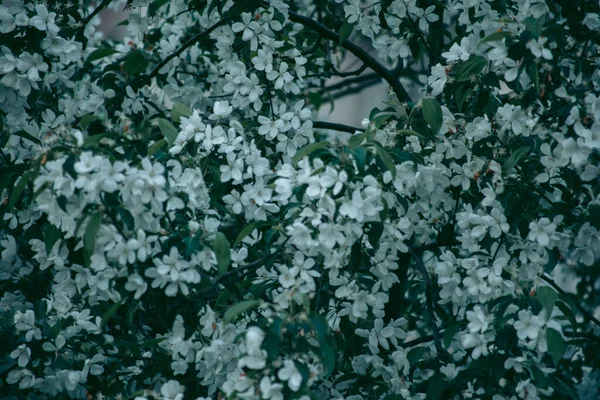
<point x="360" y="53"/>
<point x="351" y="73"/>
<point x="347" y="82"/>
<point x="429" y="297"/>
<point x="579" y="306"/>
<point x="100" y="7"/>
<point x="183" y="47"/>
<point x="335" y="127"/>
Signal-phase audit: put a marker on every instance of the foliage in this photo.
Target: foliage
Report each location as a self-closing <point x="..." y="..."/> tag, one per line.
<point x="176" y="223"/>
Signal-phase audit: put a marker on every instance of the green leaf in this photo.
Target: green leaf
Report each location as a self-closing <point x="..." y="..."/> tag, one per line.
<point x="409" y="132"/>
<point x="168" y="130"/>
<point x="248" y="229"/>
<point x="436" y="386"/>
<point x="360" y="155"/>
<point x="449" y="334"/>
<point x="432" y="113"/>
<point x="236" y="310"/>
<point x="326" y="345"/>
<point x="462" y="93"/>
<point x="18" y="190"/>
<point x="180" y="110"/>
<point x="127" y="218"/>
<point x="595" y="214"/>
<point x="306" y="150"/>
<point x="556" y="344"/>
<point x="110" y="313"/>
<point x="356" y="140"/>
<point x="222" y="252"/>
<point x="466" y="70"/>
<point x="51" y="236"/>
<point x="156" y="146"/>
<point x="89" y="237"/>
<point x="86" y="120"/>
<point x="547" y="298"/>
<point x="388" y="161"/>
<point x="496" y="36"/>
<point x="515" y="157"/>
<point x="414" y="355"/>
<point x="535" y="25"/>
<point x="26" y="135"/>
<point x="101" y="53"/>
<point x="345" y="30"/>
<point x="135" y="63"/>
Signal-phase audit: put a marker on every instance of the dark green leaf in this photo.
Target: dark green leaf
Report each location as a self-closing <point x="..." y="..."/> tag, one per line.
<point x="409" y="132"/>
<point x="156" y="146"/>
<point x="496" y="36"/>
<point x="345" y="30"/>
<point x="547" y="298"/>
<point x="449" y="334"/>
<point x="18" y="190"/>
<point x="180" y="110"/>
<point x="27" y="136"/>
<point x="234" y="311"/>
<point x="388" y="161"/>
<point x="556" y="344"/>
<point x="356" y="140"/>
<point x="306" y="150"/>
<point x="414" y="355"/>
<point x="432" y="113"/>
<point x="101" y="53"/>
<point x="436" y="386"/>
<point x="89" y="237"/>
<point x="462" y="93"/>
<point x="222" y="252"/>
<point x="514" y="158"/>
<point x="51" y="236"/>
<point x="168" y="130"/>
<point x="535" y="25"/>
<point x="110" y="313"/>
<point x="466" y="70"/>
<point x="135" y="63"/>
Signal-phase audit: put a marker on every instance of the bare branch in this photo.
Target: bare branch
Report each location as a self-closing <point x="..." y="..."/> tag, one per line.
<point x="359" y="52"/>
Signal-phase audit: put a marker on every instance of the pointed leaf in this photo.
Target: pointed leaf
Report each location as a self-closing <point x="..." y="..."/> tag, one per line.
<point x="432" y="113"/>
<point x="180" y="110"/>
<point x="306" y="150"/>
<point x="222" y="252"/>
<point x="89" y="237"/>
<point x="168" y="130"/>
<point x="547" y="298"/>
<point x="236" y="310"/>
<point x="556" y="344"/>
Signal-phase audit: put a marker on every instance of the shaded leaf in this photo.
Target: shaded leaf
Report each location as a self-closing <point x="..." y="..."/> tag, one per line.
<point x="556" y="344"/>
<point x="222" y="252"/>
<point x="547" y="298"/>
<point x="432" y="113"/>
<point x="168" y="130"/>
<point x="180" y="110"/>
<point x="89" y="237"/>
<point x="306" y="150"/>
<point x="236" y="310"/>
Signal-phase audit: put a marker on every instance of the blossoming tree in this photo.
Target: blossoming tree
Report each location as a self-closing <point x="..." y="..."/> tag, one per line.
<point x="176" y="222"/>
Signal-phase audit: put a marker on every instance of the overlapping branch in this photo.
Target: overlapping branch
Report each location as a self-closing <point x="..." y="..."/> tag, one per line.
<point x="359" y="52"/>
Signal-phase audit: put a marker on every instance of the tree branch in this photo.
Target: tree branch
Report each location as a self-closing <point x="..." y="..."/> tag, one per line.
<point x="100" y="7"/>
<point x="360" y="53"/>
<point x="585" y="312"/>
<point x="429" y="295"/>
<point x="335" y="127"/>
<point x="347" y="82"/>
<point x="183" y="47"/>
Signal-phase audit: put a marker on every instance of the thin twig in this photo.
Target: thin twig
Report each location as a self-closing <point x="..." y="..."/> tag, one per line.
<point x="183" y="47"/>
<point x="347" y="82"/>
<point x="429" y="294"/>
<point x="585" y="312"/>
<point x="100" y="7"/>
<point x="359" y="52"/>
<point x="335" y="127"/>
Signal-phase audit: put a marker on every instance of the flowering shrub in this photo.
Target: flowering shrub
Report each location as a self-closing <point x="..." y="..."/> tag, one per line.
<point x="176" y="224"/>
